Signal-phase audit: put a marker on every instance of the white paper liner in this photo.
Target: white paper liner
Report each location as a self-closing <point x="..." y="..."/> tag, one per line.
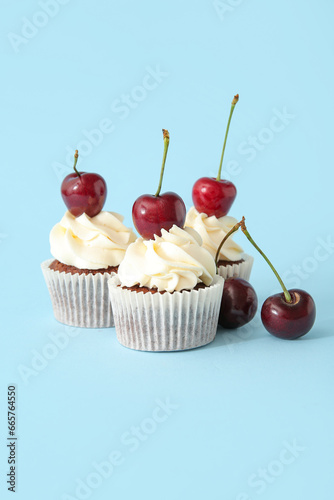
<point x="79" y="299"/>
<point x="166" y="322"/>
<point x="241" y="270"/>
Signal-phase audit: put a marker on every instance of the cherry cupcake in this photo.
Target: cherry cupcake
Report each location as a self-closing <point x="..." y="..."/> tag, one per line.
<point x="166" y="295"/>
<point x="87" y="245"/>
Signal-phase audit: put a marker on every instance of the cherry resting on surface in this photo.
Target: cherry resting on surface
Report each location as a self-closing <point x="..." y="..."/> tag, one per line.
<point x="239" y="303"/>
<point x="288" y="320"/>
<point x="83" y="192"/>
<point x="239" y="300"/>
<point x="286" y="315"/>
<point x="151" y="213"/>
<point x="214" y="196"/>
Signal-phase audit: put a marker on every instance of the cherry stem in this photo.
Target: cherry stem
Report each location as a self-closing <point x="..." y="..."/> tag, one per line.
<point x="234" y="102"/>
<point x="233" y="230"/>
<point x="287" y="295"/>
<point x="166" y="144"/>
<point x="76" y="156"/>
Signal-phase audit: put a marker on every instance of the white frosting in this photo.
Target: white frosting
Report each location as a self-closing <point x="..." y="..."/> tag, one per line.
<point x="212" y="231"/>
<point x="91" y="242"/>
<point x="173" y="261"/>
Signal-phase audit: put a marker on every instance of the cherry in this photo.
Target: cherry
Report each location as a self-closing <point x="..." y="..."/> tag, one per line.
<point x="83" y="192"/>
<point x="286" y="315"/>
<point x="151" y="213"/>
<point x="212" y="197"/>
<point x="239" y="303"/>
<point x="215" y="196"/>
<point x="288" y="320"/>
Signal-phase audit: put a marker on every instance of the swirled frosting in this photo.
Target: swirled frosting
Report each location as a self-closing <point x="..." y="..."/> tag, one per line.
<point x="212" y="231"/>
<point x="91" y="242"/>
<point x="172" y="262"/>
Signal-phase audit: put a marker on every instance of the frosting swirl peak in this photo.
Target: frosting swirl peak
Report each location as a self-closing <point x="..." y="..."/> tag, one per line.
<point x="212" y="231"/>
<point x="173" y="261"/>
<point x="91" y="242"/>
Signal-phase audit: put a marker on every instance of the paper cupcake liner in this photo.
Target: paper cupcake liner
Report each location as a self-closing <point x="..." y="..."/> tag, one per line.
<point x="166" y="322"/>
<point x="242" y="270"/>
<point x="79" y="299"/>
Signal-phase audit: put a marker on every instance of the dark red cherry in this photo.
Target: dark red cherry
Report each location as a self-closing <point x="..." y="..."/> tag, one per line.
<point x="83" y="192"/>
<point x="239" y="303"/>
<point x="289" y="320"/>
<point x="151" y="213"/>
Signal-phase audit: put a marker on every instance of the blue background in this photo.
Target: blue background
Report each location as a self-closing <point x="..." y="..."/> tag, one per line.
<point x="241" y="402"/>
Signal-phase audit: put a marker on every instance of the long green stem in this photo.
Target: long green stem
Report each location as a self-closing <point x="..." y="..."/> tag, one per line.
<point x="166" y="144"/>
<point x="76" y="156"/>
<point x="234" y="102"/>
<point x="246" y="233"/>
<point x="233" y="230"/>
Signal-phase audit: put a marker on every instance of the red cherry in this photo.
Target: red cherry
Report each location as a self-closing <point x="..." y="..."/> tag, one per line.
<point x="213" y="197"/>
<point x="151" y="213"/>
<point x="289" y="320"/>
<point x="239" y="303"/>
<point x="83" y="192"/>
<point x="286" y="315"/>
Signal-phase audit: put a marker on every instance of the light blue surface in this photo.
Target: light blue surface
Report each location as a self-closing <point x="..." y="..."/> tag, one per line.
<point x="239" y="404"/>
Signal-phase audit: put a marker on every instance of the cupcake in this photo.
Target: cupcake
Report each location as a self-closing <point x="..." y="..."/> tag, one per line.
<point x="87" y="252"/>
<point x="233" y="262"/>
<point x="166" y="295"/>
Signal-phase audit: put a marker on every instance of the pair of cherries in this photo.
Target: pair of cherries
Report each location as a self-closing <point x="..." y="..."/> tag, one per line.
<point x="212" y="196"/>
<point x="288" y="315"/>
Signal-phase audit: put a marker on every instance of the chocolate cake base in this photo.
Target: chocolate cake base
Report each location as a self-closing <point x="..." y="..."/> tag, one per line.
<point x="56" y="265"/>
<point x="229" y="262"/>
<point x="145" y="289"/>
